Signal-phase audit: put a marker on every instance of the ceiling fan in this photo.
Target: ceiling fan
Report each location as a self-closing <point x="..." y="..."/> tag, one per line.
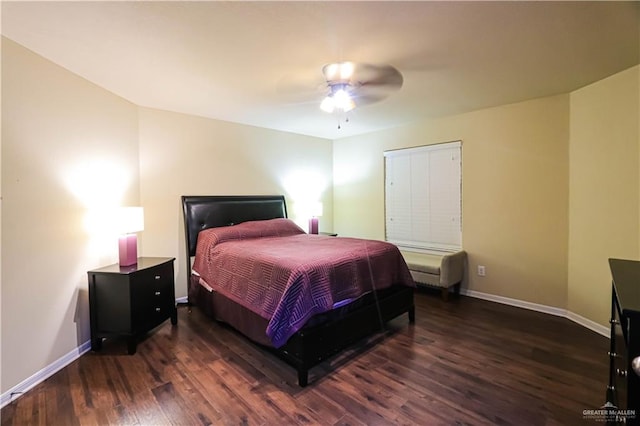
<point x="352" y="84"/>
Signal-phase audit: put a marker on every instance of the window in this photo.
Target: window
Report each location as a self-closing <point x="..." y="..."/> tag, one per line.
<point x="423" y="197"/>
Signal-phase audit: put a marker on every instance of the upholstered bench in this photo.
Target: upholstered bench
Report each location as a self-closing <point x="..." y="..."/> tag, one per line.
<point x="444" y="270"/>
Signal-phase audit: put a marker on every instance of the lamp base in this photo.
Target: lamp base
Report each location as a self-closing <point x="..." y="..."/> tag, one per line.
<point x="313" y="225"/>
<point x="128" y="249"/>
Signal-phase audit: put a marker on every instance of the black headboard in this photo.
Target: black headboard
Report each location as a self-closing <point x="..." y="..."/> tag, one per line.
<point x="210" y="211"/>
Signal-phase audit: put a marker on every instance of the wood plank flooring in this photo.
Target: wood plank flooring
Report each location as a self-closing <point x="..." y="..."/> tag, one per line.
<point x="467" y="361"/>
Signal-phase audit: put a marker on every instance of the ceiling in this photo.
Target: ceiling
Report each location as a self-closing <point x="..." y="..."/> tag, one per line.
<point x="259" y="63"/>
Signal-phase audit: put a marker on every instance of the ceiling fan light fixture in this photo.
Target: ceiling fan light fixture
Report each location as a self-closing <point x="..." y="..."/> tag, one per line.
<point x="331" y="71"/>
<point x="328" y="104"/>
<point x="339" y="99"/>
<point x="343" y="100"/>
<point x="339" y="71"/>
<point x="349" y="106"/>
<point x="346" y="70"/>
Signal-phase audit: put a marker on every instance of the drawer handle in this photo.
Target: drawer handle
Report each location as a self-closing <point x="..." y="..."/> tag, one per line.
<point x="621" y="373"/>
<point x="158" y="310"/>
<point x="157" y="277"/>
<point x="157" y="293"/>
<point x="614" y="321"/>
<point x="613" y="355"/>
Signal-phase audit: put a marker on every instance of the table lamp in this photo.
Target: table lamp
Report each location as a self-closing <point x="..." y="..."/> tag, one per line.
<point x="130" y="221"/>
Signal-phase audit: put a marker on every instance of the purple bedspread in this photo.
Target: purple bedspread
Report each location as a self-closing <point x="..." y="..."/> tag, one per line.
<point x="286" y="276"/>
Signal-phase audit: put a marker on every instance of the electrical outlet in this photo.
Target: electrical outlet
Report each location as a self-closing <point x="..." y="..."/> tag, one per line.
<point x="481" y="271"/>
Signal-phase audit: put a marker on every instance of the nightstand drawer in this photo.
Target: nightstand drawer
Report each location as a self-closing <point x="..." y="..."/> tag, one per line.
<point x="151" y="311"/>
<point x="153" y="284"/>
<point x="160" y="276"/>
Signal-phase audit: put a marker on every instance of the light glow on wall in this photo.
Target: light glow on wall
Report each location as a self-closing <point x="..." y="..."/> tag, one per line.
<point x="98" y="183"/>
<point x="305" y="189"/>
<point x="100" y="186"/>
<point x="353" y="171"/>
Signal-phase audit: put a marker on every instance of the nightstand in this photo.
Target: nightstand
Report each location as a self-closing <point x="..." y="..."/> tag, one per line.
<point x="126" y="301"/>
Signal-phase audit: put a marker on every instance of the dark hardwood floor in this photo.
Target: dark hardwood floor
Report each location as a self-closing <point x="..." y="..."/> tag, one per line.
<point x="467" y="361"/>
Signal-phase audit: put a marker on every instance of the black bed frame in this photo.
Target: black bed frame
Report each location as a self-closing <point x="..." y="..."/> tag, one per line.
<point x="310" y="345"/>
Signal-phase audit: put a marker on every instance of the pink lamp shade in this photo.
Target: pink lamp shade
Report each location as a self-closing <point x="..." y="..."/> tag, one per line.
<point x="130" y="221"/>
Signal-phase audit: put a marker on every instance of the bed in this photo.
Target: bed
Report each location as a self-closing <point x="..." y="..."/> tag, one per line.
<point x="305" y="297"/>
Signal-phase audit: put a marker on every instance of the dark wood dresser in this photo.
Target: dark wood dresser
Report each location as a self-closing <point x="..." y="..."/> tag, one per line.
<point x="623" y="392"/>
<point x="130" y="300"/>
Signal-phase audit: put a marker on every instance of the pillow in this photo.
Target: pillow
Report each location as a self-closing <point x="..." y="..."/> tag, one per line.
<point x="280" y="227"/>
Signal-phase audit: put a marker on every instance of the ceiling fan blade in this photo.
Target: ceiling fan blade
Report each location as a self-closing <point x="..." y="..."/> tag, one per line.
<point x="362" y="100"/>
<point x="300" y="83"/>
<point x="377" y="75"/>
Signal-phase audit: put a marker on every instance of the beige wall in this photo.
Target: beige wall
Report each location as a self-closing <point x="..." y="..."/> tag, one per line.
<point x="186" y="155"/>
<point x="515" y="192"/>
<point x="605" y="187"/>
<point x="68" y="148"/>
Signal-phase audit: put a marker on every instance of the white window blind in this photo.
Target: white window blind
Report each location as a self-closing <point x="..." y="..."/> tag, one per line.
<point x="423" y="197"/>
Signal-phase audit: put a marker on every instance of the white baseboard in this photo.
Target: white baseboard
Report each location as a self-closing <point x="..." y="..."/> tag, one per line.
<point x="587" y="323"/>
<point x="67" y="359"/>
<point x="591" y="325"/>
<point x="40" y="376"/>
